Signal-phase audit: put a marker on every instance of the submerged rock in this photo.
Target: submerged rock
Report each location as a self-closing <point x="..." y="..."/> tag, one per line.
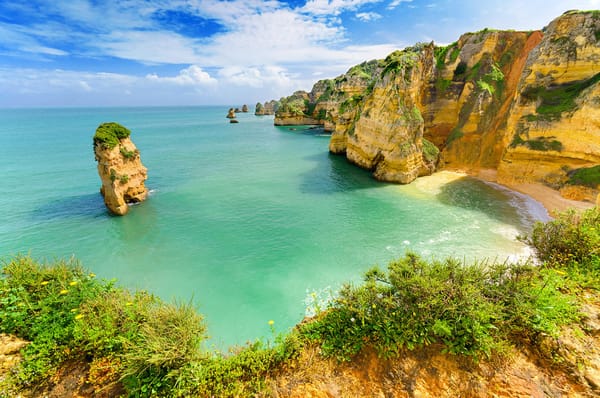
<point x="119" y="167"/>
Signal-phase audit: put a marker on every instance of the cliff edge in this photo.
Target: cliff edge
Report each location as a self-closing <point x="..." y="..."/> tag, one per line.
<point x="119" y="167"/>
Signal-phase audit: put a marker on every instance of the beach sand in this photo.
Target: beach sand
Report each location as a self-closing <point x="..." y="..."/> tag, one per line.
<point x="548" y="197"/>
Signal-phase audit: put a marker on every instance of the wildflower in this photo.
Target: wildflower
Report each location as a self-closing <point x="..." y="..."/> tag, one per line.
<point x="271" y="322"/>
<point x="374" y="306"/>
<point x="127" y="304"/>
<point x="92" y="275"/>
<point x="78" y="316"/>
<point x="64" y="291"/>
<point x="352" y="319"/>
<point x="559" y="272"/>
<point x="72" y="283"/>
<point x="44" y="283"/>
<point x="74" y="310"/>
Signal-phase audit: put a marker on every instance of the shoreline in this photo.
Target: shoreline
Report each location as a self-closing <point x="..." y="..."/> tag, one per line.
<point x="551" y="199"/>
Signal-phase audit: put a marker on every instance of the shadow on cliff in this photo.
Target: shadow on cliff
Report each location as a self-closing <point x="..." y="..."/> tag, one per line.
<point x="82" y="206"/>
<point x="333" y="173"/>
<point x="472" y="194"/>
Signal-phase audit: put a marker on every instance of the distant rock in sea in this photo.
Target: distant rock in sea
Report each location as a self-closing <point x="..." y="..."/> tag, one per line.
<point x="233" y="121"/>
<point x="231" y="113"/>
<point x="119" y="167"/>
<point x="244" y="108"/>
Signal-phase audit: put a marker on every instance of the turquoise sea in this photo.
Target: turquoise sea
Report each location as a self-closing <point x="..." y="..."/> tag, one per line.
<point x="244" y="219"/>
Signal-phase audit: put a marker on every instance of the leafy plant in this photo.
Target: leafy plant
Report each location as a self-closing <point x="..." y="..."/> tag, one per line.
<point x="109" y="134"/>
<point x="589" y="176"/>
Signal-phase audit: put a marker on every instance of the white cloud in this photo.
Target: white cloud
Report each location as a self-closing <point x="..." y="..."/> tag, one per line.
<point x="395" y="3"/>
<point x="191" y="76"/>
<point x="256" y="76"/>
<point x="150" y="47"/>
<point x="368" y="16"/>
<point x="334" y="7"/>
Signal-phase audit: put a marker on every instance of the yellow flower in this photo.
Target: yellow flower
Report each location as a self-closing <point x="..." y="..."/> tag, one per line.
<point x="64" y="291"/>
<point x="78" y="316"/>
<point x="73" y="283"/>
<point x="74" y="310"/>
<point x="128" y="303"/>
<point x="271" y="322"/>
<point x="92" y="275"/>
<point x="44" y="283"/>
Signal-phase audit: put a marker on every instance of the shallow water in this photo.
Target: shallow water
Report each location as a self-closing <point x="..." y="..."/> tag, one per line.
<point x="244" y="219"/>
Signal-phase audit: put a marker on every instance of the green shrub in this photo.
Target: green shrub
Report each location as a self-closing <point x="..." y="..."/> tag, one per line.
<point x="109" y="134"/>
<point x="589" y="177"/>
<point x="430" y="151"/>
<point x="571" y="238"/>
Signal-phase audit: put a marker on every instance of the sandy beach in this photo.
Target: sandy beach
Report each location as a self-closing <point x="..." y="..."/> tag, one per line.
<point x="548" y="197"/>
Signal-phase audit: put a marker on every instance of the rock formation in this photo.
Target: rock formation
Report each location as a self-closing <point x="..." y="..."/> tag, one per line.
<point x="244" y="108"/>
<point x="268" y="108"/>
<point x="231" y="113"/>
<point x="524" y="103"/>
<point x="120" y="168"/>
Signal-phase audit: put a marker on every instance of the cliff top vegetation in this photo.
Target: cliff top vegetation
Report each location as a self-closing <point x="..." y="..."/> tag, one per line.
<point x="109" y="134"/>
<point x="146" y="347"/>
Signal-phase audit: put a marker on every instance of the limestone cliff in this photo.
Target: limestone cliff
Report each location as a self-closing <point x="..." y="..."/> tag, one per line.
<point x="553" y="127"/>
<point x="524" y="103"/>
<point x="120" y="168"/>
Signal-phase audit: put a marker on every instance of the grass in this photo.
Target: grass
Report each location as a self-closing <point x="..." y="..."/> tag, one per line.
<point x="156" y="349"/>
<point x="109" y="134"/>
<point x="556" y="100"/>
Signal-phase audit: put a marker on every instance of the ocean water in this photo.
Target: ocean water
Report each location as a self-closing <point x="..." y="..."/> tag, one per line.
<point x="245" y="220"/>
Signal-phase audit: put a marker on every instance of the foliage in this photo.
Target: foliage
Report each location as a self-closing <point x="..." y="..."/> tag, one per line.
<point x="571" y="238"/>
<point x="455" y="134"/>
<point x="124" y="179"/>
<point x="442" y="85"/>
<point x="589" y="177"/>
<point x="430" y="151"/>
<point x="155" y="348"/>
<point x="537" y="144"/>
<point x="553" y="101"/>
<point x="484" y="86"/>
<point x="109" y="134"/>
<point x="399" y="61"/>
<point x="128" y="154"/>
<point x="470" y="309"/>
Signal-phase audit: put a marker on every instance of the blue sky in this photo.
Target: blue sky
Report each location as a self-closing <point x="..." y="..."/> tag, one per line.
<point x="198" y="52"/>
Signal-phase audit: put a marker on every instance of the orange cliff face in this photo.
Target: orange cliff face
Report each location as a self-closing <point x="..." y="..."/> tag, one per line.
<point x="524" y="103"/>
<point x="554" y="121"/>
<point x="120" y="169"/>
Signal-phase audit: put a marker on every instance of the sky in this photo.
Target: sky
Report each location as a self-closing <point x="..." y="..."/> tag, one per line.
<point x="210" y="52"/>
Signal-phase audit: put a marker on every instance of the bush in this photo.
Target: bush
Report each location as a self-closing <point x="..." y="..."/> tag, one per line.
<point x="571" y="238"/>
<point x="471" y="309"/>
<point x="589" y="177"/>
<point x="109" y="134"/>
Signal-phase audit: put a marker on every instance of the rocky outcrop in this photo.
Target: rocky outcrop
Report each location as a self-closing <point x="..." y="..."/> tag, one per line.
<point x="524" y="103"/>
<point x="268" y="108"/>
<point x="244" y="108"/>
<point x="231" y="113"/>
<point x="120" y="168"/>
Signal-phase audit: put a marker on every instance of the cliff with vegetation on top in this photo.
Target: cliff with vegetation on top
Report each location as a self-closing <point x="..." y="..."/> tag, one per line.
<point x="524" y="103"/>
<point x="119" y="167"/>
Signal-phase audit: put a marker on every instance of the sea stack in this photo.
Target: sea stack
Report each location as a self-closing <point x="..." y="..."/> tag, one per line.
<point x="231" y="113"/>
<point x="120" y="168"/>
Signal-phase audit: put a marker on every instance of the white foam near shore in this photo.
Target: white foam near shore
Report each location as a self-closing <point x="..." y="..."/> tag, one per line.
<point x="531" y="208"/>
